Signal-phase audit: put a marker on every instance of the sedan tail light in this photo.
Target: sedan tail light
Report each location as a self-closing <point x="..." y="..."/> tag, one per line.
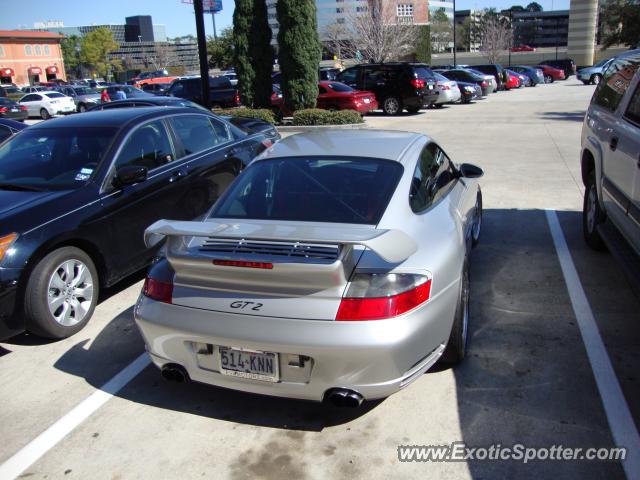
<point x="376" y="296"/>
<point x="3" y="109"/>
<point x="418" y="83"/>
<point x="157" y="290"/>
<point x="22" y="107"/>
<point x="236" y="98"/>
<point x="484" y="83"/>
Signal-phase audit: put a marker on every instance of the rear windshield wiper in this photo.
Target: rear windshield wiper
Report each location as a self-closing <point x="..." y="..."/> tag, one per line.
<point x="19" y="187"/>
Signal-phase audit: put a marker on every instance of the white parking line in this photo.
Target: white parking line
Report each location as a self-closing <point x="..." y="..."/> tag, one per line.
<point x="31" y="452"/>
<point x="620" y="420"/>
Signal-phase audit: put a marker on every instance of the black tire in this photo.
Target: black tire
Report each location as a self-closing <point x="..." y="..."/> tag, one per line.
<point x="82" y="108"/>
<point x="413" y="109"/>
<point x="548" y="79"/>
<point x="586" y="82"/>
<point x="595" y="79"/>
<point x="40" y="287"/>
<point x="592" y="215"/>
<point x="44" y="114"/>
<point x="456" y="348"/>
<point x="476" y="230"/>
<point x="391" y="106"/>
<point x="439" y="105"/>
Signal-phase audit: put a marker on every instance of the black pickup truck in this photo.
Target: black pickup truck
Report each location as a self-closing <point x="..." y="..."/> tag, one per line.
<point x="221" y="92"/>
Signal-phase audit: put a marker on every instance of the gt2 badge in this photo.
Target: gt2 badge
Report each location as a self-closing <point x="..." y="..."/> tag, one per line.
<point x="250" y="305"/>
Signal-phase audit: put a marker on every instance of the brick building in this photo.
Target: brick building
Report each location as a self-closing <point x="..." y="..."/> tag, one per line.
<point x="28" y="57"/>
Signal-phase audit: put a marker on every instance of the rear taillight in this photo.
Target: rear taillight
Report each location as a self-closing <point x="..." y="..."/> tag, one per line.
<point x="242" y="263"/>
<point x="22" y="107"/>
<point x="236" y="98"/>
<point x="373" y="296"/>
<point x="3" y="109"/>
<point x="484" y="83"/>
<point x="418" y="83"/>
<point x="157" y="290"/>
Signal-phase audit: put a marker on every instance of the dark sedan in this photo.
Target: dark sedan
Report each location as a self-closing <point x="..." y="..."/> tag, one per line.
<point x="12" y="110"/>
<point x="461" y="75"/>
<point x="536" y="75"/>
<point x="8" y="128"/>
<point x="77" y="193"/>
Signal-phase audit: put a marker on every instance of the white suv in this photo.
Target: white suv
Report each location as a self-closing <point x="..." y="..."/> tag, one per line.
<point x="611" y="153"/>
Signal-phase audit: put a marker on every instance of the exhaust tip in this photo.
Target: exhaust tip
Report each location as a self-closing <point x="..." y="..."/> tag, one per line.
<point x="173" y="372"/>
<point x="343" y="397"/>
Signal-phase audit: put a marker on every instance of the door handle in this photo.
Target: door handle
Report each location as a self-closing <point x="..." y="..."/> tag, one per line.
<point x="613" y="143"/>
<point x="177" y="175"/>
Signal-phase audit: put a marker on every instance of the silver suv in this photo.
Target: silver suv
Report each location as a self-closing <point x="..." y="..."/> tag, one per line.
<point x="611" y="153"/>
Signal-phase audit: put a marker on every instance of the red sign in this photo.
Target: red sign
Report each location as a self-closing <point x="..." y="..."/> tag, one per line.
<point x="7" y="72"/>
<point x="52" y="70"/>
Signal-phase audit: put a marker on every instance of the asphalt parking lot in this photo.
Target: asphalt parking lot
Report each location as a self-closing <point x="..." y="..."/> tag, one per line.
<point x="528" y="378"/>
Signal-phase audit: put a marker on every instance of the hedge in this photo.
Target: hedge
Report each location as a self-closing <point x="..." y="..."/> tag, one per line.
<point x="260" y="113"/>
<point x="317" y="116"/>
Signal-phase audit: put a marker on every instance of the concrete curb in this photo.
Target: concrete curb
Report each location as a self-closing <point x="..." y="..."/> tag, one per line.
<point x="313" y="128"/>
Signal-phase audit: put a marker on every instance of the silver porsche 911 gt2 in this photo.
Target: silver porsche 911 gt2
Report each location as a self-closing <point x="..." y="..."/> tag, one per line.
<point x="335" y="268"/>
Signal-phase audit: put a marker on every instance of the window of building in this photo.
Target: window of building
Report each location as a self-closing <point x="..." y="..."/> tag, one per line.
<point x="1" y="51"/>
<point x="27" y="50"/>
<point x="404" y="10"/>
<point x="38" y="50"/>
<point x="47" y="50"/>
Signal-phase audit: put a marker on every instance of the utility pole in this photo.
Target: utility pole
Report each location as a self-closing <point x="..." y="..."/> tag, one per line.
<point x="202" y="52"/>
<point x="454" y="34"/>
<point x="213" y="18"/>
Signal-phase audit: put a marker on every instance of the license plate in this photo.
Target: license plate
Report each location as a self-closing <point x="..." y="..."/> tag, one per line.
<point x="430" y="87"/>
<point x="249" y="364"/>
<point x="14" y="109"/>
<point x="367" y="100"/>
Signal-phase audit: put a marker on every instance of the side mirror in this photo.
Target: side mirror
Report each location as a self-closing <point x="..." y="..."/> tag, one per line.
<point x="129" y="175"/>
<point x="470" y="171"/>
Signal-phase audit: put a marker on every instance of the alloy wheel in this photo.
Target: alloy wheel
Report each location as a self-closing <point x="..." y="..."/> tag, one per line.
<point x="591" y="209"/>
<point x="70" y="292"/>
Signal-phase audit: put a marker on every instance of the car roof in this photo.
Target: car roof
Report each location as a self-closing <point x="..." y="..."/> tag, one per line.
<point x="118" y="117"/>
<point x="385" y="144"/>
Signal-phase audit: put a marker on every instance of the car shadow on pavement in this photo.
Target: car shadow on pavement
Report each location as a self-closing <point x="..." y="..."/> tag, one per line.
<point x="577" y="116"/>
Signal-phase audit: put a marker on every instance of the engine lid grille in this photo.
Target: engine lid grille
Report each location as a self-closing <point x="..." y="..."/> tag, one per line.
<point x="292" y="250"/>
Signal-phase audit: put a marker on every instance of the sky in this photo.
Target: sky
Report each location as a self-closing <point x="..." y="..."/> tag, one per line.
<point x="174" y="14"/>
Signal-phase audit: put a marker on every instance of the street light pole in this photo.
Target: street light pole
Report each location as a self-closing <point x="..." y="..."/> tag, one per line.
<point x="213" y="18"/>
<point x="202" y="52"/>
<point x="454" y="34"/>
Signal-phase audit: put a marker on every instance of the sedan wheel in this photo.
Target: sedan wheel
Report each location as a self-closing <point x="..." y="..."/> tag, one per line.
<point x="548" y="79"/>
<point x="44" y="114"/>
<point x="477" y="221"/>
<point x="61" y="293"/>
<point x="82" y="108"/>
<point x="592" y="215"/>
<point x="391" y="106"/>
<point x="595" y="79"/>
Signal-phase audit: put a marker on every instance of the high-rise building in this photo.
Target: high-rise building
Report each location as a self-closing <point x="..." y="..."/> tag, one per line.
<point x="541" y="29"/>
<point x="138" y="29"/>
<point x="441" y="5"/>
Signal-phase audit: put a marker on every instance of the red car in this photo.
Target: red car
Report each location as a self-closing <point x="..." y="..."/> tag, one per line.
<point x="336" y="96"/>
<point x="523" y="48"/>
<point x="513" y="82"/>
<point x="550" y="73"/>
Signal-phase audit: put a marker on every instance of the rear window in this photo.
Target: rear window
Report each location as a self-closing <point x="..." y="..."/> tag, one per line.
<point x="423" y="73"/>
<point x="340" y="190"/>
<point x="339" y="87"/>
<point x="616" y="80"/>
<point x="54" y="95"/>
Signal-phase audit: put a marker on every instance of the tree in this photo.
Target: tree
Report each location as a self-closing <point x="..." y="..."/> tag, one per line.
<point x="379" y="35"/>
<point x="621" y="20"/>
<point x="261" y="55"/>
<point x="441" y="31"/>
<point x="423" y="44"/>
<point x="95" y="47"/>
<point x="70" y="46"/>
<point x="242" y="19"/>
<point x="336" y="37"/>
<point x="162" y="55"/>
<point x="496" y="35"/>
<point x="220" y="50"/>
<point x="534" y="7"/>
<point x="300" y="52"/>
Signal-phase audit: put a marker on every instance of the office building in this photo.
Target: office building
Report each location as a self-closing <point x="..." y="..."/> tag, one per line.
<point x="541" y="29"/>
<point x="28" y="57"/>
<point x="138" y="29"/>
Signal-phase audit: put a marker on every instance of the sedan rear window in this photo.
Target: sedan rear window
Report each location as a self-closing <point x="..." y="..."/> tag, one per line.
<point x="423" y="73"/>
<point x="53" y="159"/>
<point x="54" y="95"/>
<point x="340" y="190"/>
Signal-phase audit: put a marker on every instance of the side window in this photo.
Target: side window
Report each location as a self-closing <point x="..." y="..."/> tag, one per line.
<point x="5" y="132"/>
<point x="349" y="76"/>
<point x="199" y="132"/>
<point x="432" y="178"/>
<point x="148" y="146"/>
<point x="28" y="98"/>
<point x="177" y="89"/>
<point x="633" y="110"/>
<point x="616" y="80"/>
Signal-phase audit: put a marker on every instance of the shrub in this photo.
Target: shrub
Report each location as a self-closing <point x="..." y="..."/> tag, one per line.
<point x="317" y="116"/>
<point x="260" y="113"/>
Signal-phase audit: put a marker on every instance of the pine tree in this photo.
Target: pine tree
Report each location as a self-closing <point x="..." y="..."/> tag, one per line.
<point x="300" y="52"/>
<point x="261" y="54"/>
<point x="242" y="24"/>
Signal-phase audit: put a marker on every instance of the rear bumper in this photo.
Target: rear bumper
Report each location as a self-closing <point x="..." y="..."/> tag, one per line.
<point x="374" y="358"/>
<point x="449" y="96"/>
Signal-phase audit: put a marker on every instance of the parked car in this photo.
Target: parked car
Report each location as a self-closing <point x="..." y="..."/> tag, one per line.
<point x="610" y="146"/>
<point x="76" y="194"/>
<point x="448" y="91"/>
<point x="551" y="74"/>
<point x="469" y="92"/>
<point x="523" y="48"/>
<point x="397" y="85"/>
<point x="460" y="75"/>
<point x="328" y="73"/>
<point x="536" y="75"/>
<point x="314" y="276"/>
<point x="488" y="77"/>
<point x="567" y="65"/>
<point x="12" y="110"/>
<point x="523" y="80"/>
<point x="497" y="71"/>
<point x="129" y="90"/>
<point x="162" y="73"/>
<point x="35" y="89"/>
<point x="47" y="104"/>
<point x="221" y="92"/>
<point x="8" y="128"/>
<point x="232" y="76"/>
<point x="513" y="81"/>
<point x="338" y="96"/>
<point x="156" y="88"/>
<point x="592" y="75"/>
<point x="83" y="97"/>
<point x="11" y="92"/>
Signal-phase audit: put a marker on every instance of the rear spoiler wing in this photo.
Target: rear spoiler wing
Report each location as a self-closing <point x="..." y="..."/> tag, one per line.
<point x="393" y="246"/>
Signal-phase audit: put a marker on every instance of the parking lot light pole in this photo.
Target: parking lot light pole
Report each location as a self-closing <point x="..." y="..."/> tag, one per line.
<point x="454" y="34"/>
<point x="202" y="52"/>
